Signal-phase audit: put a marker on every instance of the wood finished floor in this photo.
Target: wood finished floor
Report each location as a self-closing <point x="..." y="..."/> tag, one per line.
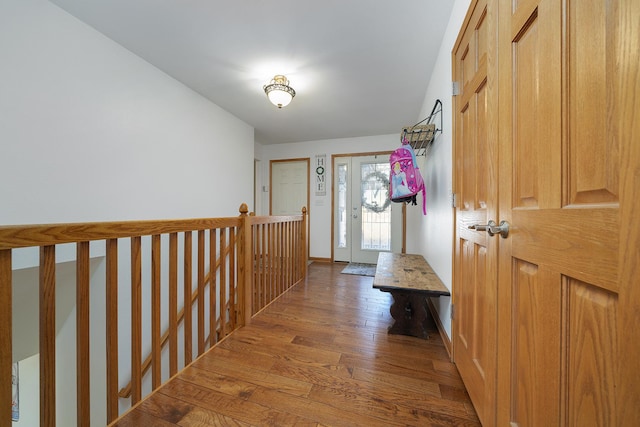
<point x="318" y="356"/>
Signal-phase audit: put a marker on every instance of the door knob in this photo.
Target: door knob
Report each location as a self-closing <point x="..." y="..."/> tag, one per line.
<point x="492" y="228"/>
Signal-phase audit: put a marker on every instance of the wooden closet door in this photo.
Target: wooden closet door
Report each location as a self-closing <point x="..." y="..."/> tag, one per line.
<point x="475" y="176"/>
<point x="559" y="189"/>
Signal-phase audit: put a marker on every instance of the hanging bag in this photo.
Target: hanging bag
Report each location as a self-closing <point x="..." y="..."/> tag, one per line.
<point x="405" y="180"/>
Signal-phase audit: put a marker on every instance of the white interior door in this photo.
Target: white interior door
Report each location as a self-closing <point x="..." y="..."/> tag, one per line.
<point x="289" y="187"/>
<point x="365" y="221"/>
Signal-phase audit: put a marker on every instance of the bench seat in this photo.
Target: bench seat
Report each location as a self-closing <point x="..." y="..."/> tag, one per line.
<point x="410" y="279"/>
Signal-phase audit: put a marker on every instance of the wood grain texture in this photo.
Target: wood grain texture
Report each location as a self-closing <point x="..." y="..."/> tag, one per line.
<point x="187" y="284"/>
<point x="566" y="243"/>
<point x="223" y="283"/>
<point x="156" y="348"/>
<point x="136" y="320"/>
<point x="173" y="304"/>
<point x="48" y="336"/>
<point x="21" y="236"/>
<point x="592" y="349"/>
<point x="319" y="355"/>
<point x="474" y="62"/>
<point x="407" y="272"/>
<point x="201" y="297"/>
<point x="111" y="301"/>
<point x="82" y="334"/>
<point x="625" y="111"/>
<point x="232" y="278"/>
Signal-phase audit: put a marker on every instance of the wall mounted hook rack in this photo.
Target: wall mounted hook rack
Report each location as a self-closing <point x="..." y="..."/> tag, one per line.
<point x="422" y="134"/>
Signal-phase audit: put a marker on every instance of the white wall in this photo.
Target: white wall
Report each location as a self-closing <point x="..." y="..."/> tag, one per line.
<point x="433" y="234"/>
<point x="320" y="209"/>
<point x="91" y="132"/>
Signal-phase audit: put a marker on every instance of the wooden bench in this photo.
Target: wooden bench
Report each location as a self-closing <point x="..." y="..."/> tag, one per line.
<point x="409" y="279"/>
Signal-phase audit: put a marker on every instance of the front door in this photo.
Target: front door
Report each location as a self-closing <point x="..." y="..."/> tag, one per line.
<point x="365" y="221"/>
<point x="475" y="253"/>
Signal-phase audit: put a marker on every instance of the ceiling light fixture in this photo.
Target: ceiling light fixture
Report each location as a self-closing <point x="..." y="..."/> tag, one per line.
<point x="279" y="92"/>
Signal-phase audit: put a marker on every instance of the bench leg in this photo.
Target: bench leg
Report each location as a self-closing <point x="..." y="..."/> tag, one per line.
<point x="409" y="312"/>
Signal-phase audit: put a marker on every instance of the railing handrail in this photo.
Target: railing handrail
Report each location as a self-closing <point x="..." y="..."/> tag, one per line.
<point x="35" y="235"/>
<point x="255" y="220"/>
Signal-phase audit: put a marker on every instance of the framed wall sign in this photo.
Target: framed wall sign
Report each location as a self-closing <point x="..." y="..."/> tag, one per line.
<point x="320" y="168"/>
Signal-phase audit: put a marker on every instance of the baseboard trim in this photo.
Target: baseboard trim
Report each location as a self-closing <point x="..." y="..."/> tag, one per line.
<point x="441" y="330"/>
<point x="317" y="259"/>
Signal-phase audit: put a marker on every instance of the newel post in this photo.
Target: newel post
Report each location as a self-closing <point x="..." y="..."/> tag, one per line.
<point x="245" y="267"/>
<point x="303" y="242"/>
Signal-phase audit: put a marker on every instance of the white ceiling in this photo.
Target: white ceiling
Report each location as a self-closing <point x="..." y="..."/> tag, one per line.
<point x="359" y="67"/>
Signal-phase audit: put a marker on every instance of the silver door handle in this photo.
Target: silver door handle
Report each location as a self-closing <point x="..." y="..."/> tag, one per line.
<point x="492" y="228"/>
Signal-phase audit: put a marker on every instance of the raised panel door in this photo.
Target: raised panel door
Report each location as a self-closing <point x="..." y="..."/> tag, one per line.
<point x="559" y="190"/>
<point x="475" y="270"/>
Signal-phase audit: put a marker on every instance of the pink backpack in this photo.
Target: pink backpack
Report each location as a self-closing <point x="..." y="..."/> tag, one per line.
<point x="406" y="181"/>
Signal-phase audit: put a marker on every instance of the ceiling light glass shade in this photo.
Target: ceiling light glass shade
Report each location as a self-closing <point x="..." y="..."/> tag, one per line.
<point x="279" y="92"/>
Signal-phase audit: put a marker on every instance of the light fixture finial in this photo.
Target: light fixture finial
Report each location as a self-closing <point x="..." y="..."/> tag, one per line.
<point x="279" y="92"/>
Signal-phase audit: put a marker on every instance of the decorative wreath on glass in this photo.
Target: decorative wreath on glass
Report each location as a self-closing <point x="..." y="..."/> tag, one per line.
<point x="383" y="179"/>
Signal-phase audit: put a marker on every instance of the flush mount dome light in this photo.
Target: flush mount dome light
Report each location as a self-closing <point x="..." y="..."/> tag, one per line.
<point x="279" y="92"/>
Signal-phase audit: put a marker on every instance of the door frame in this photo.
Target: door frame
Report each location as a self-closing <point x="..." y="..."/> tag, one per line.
<point x="333" y="207"/>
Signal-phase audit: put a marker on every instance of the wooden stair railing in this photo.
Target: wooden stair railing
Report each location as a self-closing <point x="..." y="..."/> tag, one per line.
<point x="280" y="256"/>
<point x="125" y="392"/>
<point x="231" y="284"/>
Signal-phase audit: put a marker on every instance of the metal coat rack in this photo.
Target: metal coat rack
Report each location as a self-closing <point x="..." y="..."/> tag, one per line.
<point x="422" y="134"/>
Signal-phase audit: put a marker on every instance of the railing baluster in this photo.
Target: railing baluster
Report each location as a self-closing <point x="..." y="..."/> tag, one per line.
<point x="200" y="292"/>
<point x="287" y="260"/>
<point x="82" y="334"/>
<point x="292" y="255"/>
<point x="294" y="246"/>
<point x="213" y="314"/>
<point x="271" y="261"/>
<point x="232" y="278"/>
<point x="156" y="360"/>
<point x="173" y="304"/>
<point x="294" y="252"/>
<point x="188" y="312"/>
<point x="136" y="319"/>
<point x="263" y="268"/>
<point x="6" y="336"/>
<point x="111" y="301"/>
<point x="263" y="258"/>
<point x="274" y="256"/>
<point x="47" y="335"/>
<point x="223" y="282"/>
<point x="279" y="258"/>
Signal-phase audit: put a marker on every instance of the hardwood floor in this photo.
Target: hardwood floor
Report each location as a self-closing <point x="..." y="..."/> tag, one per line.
<point x="318" y="356"/>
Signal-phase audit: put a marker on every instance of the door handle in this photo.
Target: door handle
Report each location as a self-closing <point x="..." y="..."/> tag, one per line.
<point x="492" y="228"/>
